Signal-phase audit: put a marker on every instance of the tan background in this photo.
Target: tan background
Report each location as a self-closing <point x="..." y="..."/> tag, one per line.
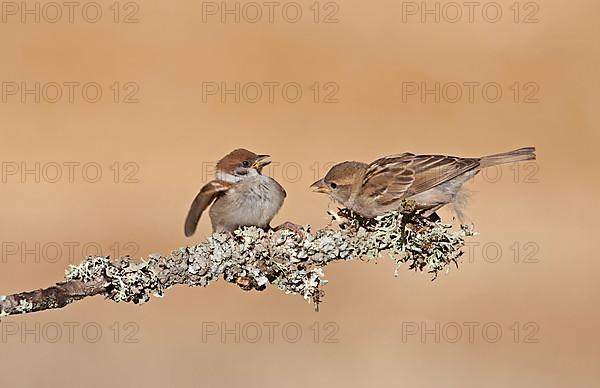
<point x="171" y="135"/>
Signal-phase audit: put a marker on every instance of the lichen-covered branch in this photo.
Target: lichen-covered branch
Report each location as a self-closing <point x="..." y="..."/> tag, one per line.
<point x="253" y="258"/>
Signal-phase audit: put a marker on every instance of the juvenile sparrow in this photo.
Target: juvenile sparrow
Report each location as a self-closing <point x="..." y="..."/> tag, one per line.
<point x="430" y="181"/>
<point x="240" y="194"/>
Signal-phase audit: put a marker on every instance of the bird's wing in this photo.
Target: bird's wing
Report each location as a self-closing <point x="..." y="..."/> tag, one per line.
<point x="393" y="178"/>
<point x="205" y="197"/>
<point x="433" y="170"/>
<point x="387" y="179"/>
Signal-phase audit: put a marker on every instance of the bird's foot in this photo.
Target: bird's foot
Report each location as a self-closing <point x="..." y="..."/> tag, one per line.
<point x="468" y="229"/>
<point x="298" y="229"/>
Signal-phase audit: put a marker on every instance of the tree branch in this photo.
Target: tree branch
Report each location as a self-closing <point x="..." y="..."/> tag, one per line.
<point x="253" y="258"/>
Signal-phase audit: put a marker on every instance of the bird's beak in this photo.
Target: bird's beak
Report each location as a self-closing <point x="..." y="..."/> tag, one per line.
<point x="320" y="187"/>
<point x="260" y="162"/>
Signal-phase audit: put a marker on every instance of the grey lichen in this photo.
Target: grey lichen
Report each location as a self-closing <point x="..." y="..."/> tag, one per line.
<point x="24" y="306"/>
<point x="125" y="279"/>
<point x="253" y="258"/>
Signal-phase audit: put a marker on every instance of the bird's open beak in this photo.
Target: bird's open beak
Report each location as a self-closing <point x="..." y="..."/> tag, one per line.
<point x="260" y="162"/>
<point x="320" y="187"/>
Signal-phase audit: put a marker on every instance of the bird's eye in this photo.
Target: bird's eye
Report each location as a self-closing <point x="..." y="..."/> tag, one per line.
<point x="246" y="163"/>
<point x="333" y="185"/>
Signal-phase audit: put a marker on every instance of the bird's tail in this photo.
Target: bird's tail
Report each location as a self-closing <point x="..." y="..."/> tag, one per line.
<point x="522" y="154"/>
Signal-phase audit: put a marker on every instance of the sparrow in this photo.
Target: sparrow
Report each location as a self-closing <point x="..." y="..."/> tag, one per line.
<point x="429" y="181"/>
<point x="240" y="195"/>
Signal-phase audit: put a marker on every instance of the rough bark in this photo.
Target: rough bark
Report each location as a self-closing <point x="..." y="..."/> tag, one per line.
<point x="253" y="258"/>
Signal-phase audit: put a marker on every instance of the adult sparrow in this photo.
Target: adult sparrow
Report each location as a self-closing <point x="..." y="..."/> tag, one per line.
<point x="240" y="195"/>
<point x="430" y="181"/>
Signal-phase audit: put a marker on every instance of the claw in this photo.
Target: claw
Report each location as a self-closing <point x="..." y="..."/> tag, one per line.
<point x="298" y="229"/>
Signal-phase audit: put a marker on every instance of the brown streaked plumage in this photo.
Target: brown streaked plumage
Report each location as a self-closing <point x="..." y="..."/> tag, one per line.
<point x="431" y="181"/>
